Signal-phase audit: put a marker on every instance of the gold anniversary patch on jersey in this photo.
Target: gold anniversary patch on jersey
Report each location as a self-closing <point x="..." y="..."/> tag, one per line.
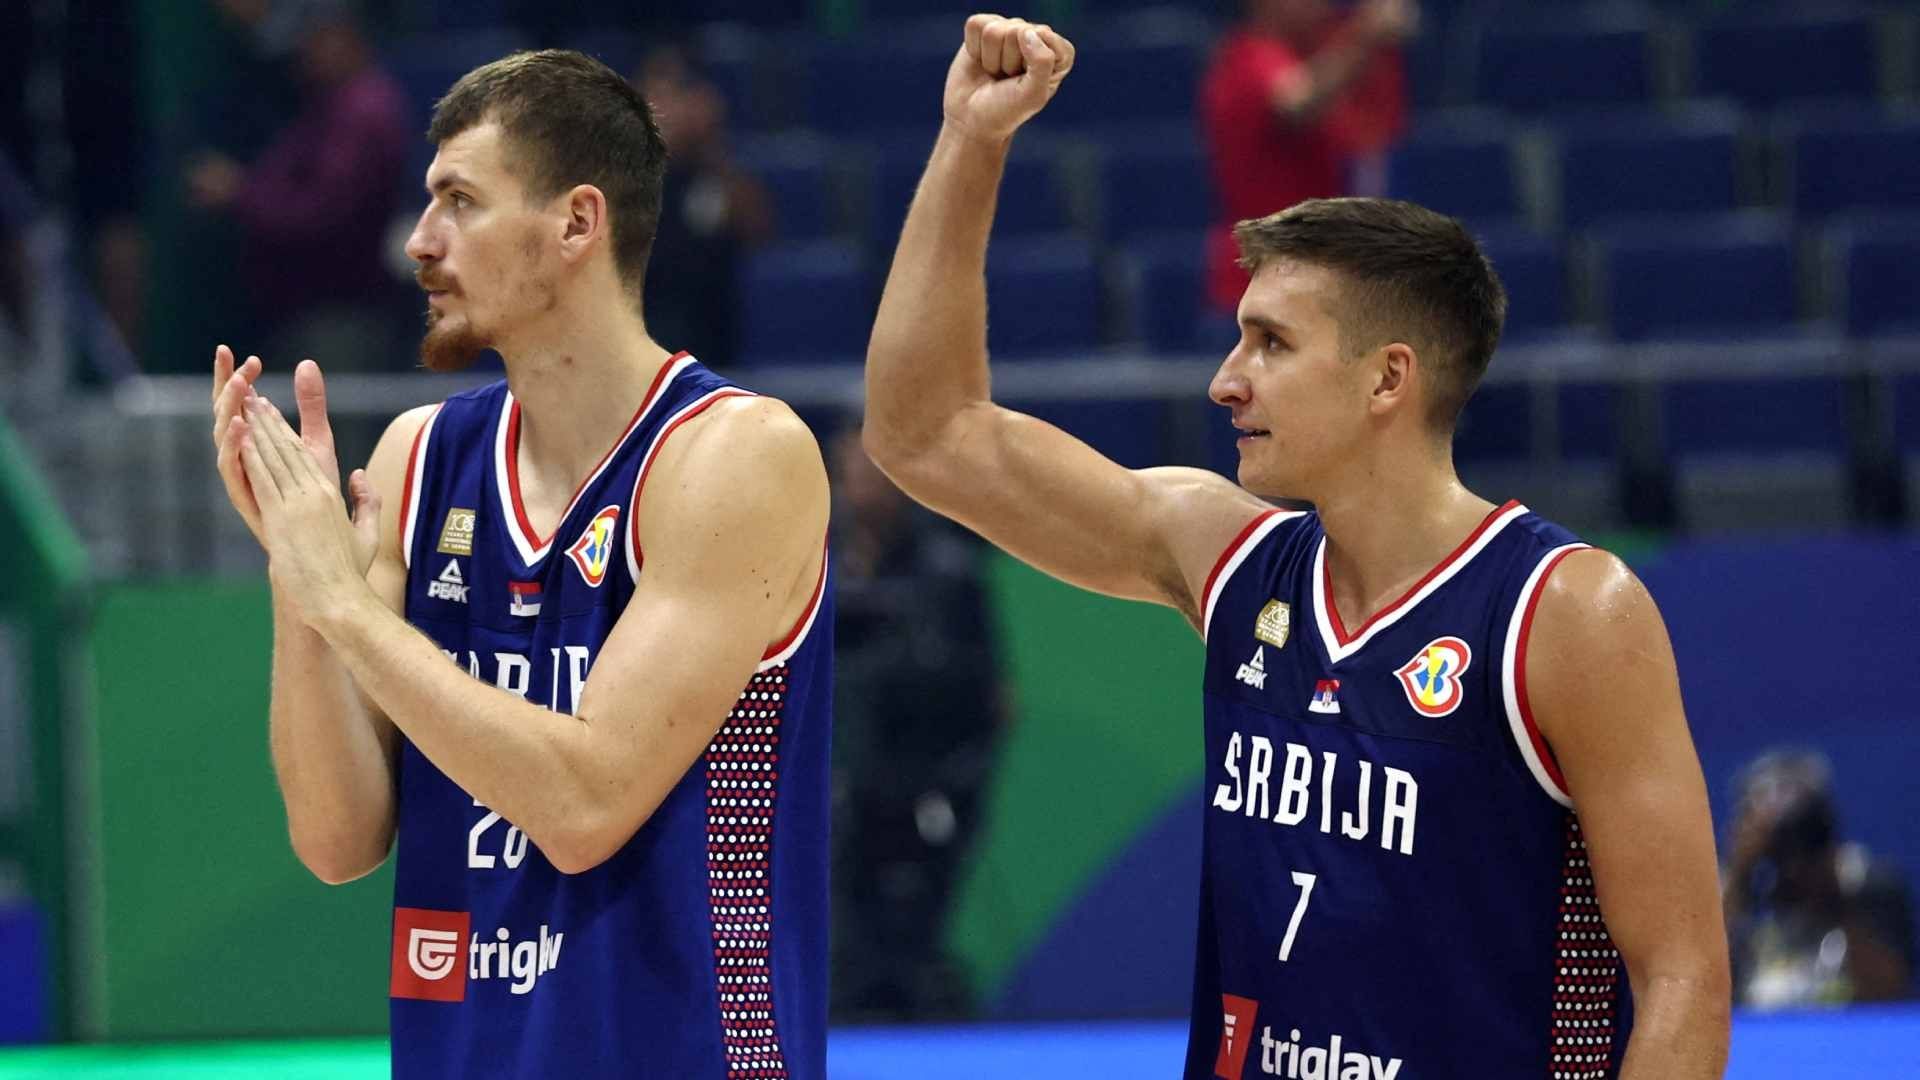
<point x="1274" y="622"/>
<point x="456" y="536"/>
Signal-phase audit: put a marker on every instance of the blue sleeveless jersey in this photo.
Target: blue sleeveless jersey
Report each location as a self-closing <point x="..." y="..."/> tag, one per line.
<point x="700" y="948"/>
<point x="1394" y="883"/>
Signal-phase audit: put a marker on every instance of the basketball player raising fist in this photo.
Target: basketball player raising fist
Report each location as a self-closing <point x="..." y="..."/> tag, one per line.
<point x="1454" y="820"/>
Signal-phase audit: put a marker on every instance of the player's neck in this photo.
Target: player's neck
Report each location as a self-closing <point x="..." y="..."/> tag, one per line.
<point x="1389" y="526"/>
<point x="578" y="381"/>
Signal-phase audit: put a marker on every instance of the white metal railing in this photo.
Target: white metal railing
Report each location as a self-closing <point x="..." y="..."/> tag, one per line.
<point x="134" y="466"/>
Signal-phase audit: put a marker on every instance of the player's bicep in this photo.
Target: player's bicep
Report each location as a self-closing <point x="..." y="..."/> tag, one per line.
<point x="1606" y="695"/>
<point x="732" y="525"/>
<point x="1059" y="505"/>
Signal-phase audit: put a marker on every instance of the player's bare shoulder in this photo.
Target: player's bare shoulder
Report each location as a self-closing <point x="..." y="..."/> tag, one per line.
<point x="740" y="448"/>
<point x="1595" y="595"/>
<point x="745" y="431"/>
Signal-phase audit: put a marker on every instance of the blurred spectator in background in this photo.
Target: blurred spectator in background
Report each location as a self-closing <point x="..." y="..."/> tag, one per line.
<point x="1810" y="920"/>
<point x="917" y="717"/>
<point x="1297" y="97"/>
<point x="710" y="214"/>
<point x="315" y="206"/>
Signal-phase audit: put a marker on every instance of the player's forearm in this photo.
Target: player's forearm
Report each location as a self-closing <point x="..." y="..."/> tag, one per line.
<point x="927" y="359"/>
<point x="335" y="773"/>
<point x="1680" y="1026"/>
<point x="536" y="768"/>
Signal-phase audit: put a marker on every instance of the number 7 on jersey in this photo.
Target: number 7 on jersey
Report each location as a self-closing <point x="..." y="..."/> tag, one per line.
<point x="1305" y="881"/>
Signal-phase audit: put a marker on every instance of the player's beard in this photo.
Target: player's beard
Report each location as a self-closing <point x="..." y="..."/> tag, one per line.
<point x="446" y="349"/>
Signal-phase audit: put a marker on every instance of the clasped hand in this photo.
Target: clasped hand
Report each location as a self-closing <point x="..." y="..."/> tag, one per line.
<point x="316" y="555"/>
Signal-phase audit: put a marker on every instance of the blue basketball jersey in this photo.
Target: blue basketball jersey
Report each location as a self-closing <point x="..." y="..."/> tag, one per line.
<point x="1394" y="883"/>
<point x="700" y="948"/>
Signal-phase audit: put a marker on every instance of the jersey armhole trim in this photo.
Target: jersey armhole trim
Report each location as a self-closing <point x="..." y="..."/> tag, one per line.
<point x="635" y="557"/>
<point x="1513" y="680"/>
<point x="410" y="488"/>
<point x="781" y="651"/>
<point x="1235" y="554"/>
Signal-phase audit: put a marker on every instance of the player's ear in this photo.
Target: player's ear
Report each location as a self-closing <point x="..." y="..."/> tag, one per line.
<point x="585" y="223"/>
<point x="1392" y="369"/>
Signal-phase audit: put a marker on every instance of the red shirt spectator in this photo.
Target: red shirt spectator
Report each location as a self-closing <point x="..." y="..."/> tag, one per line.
<point x="1292" y="99"/>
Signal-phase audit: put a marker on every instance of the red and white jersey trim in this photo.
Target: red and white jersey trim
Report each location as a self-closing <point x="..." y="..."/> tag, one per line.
<point x="1513" y="680"/>
<point x="1236" y="553"/>
<point x="1340" y="645"/>
<point x="687" y="412"/>
<point x="506" y="438"/>
<point x="781" y="651"/>
<point x="410" y="490"/>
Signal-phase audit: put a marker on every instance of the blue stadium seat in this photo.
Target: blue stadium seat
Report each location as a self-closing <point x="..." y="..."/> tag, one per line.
<point x="1588" y="418"/>
<point x="805" y="301"/>
<point x="440" y="16"/>
<point x="1153" y="182"/>
<point x="1770" y="60"/>
<point x="1031" y="197"/>
<point x="427" y="65"/>
<point x="1168" y="271"/>
<point x="1430" y="73"/>
<point x="868" y="84"/>
<point x="1533" y="267"/>
<point x="1649" y="163"/>
<point x="1906" y="412"/>
<point x="1877" y="260"/>
<point x="1762" y="440"/>
<point x="1132" y="433"/>
<point x="1043" y="296"/>
<point x="1148" y="81"/>
<point x="798" y="173"/>
<point x="1731" y="276"/>
<point x="1463" y="168"/>
<point x="1756" y="415"/>
<point x="1856" y="159"/>
<point x="1571" y="61"/>
<point x="730" y="60"/>
<point x="1496" y="425"/>
<point x="1780" y="398"/>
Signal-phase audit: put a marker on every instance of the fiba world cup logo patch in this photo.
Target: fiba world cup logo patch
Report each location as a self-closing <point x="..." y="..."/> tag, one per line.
<point x="594" y="550"/>
<point x="1432" y="678"/>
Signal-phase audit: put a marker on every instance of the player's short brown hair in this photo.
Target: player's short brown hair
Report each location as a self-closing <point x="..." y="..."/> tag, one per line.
<point x="1412" y="275"/>
<point x="569" y="119"/>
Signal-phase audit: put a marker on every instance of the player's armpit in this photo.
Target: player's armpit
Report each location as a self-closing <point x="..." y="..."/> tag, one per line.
<point x="1057" y="504"/>
<point x="732" y="523"/>
<point x="1602" y="686"/>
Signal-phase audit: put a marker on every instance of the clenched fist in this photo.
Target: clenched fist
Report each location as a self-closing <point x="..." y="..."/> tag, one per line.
<point x="1006" y="71"/>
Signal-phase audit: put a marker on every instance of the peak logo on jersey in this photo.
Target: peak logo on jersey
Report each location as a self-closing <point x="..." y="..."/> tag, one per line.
<point x="594" y="550"/>
<point x="450" y="585"/>
<point x="1236" y="1035"/>
<point x="1432" y="678"/>
<point x="1326" y="697"/>
<point x="1273" y="623"/>
<point x="456" y="536"/>
<point x="1254" y="671"/>
<point x="426" y="954"/>
<point x="523" y="598"/>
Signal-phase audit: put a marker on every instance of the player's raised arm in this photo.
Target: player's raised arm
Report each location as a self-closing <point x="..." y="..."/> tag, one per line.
<point x="931" y="424"/>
